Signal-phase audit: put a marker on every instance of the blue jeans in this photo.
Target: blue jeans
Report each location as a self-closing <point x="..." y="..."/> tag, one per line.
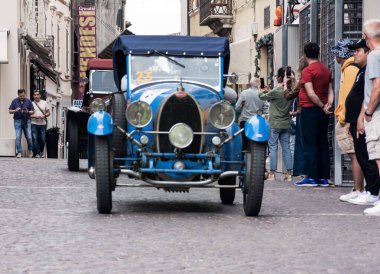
<point x="283" y="135"/>
<point x="20" y="126"/>
<point x="39" y="138"/>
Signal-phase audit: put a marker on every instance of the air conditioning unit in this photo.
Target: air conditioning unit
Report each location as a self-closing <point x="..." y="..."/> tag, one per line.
<point x="255" y="28"/>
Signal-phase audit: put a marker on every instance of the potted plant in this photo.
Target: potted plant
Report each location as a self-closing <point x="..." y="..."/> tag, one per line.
<point x="52" y="137"/>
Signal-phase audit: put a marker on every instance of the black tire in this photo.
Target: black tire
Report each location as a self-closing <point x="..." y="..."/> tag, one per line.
<point x="118" y="116"/>
<point x="103" y="176"/>
<point x="254" y="178"/>
<point x="73" y="148"/>
<point x="227" y="195"/>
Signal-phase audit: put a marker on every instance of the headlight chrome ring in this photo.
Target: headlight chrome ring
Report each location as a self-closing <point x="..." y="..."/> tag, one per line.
<point x="181" y="135"/>
<point x="97" y="104"/>
<point x="222" y="115"/>
<point x="139" y="114"/>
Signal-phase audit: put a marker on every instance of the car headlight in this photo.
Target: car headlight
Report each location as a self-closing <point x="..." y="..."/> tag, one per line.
<point x="180" y="135"/>
<point x="97" y="104"/>
<point x="222" y="115"/>
<point x="139" y="114"/>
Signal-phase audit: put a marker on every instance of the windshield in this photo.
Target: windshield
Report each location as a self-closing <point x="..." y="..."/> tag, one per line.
<point x="145" y="69"/>
<point x="102" y="81"/>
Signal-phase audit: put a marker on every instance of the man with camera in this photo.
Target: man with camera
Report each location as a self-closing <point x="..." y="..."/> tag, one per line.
<point x="279" y="121"/>
<point x="21" y="108"/>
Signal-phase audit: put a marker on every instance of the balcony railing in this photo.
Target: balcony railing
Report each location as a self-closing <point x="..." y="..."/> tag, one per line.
<point x="211" y="10"/>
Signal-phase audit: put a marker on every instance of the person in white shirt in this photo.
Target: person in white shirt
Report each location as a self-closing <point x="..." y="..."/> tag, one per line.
<point x="39" y="124"/>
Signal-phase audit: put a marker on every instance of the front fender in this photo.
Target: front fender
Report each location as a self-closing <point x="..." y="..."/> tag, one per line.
<point x="257" y="129"/>
<point x="100" y="123"/>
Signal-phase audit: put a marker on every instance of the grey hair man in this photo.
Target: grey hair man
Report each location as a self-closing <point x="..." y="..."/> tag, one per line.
<point x="249" y="104"/>
<point x="371" y="105"/>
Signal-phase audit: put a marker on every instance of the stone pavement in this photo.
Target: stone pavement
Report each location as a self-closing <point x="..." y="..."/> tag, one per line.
<point x="49" y="224"/>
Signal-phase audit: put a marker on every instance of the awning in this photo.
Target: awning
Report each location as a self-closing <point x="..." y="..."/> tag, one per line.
<point x="240" y="62"/>
<point x="51" y="74"/>
<point x="4" y="46"/>
<point x="43" y="53"/>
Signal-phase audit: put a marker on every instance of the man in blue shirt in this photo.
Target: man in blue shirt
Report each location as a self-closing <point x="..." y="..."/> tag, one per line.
<point x="21" y="108"/>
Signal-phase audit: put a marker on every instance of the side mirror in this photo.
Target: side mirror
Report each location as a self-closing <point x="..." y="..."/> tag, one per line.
<point x="233" y="77"/>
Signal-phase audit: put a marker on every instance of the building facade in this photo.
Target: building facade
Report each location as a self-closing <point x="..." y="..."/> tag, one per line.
<point x="39" y="57"/>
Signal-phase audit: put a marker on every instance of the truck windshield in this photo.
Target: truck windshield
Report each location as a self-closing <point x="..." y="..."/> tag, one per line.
<point x="102" y="81"/>
<point x="145" y="69"/>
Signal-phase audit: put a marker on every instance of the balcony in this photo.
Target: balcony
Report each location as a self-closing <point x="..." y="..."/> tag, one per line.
<point x="217" y="14"/>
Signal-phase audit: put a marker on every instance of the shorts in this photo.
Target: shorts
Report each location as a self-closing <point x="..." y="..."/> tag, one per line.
<point x="372" y="136"/>
<point x="344" y="139"/>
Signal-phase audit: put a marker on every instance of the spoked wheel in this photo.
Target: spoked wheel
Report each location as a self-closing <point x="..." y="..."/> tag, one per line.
<point x="103" y="174"/>
<point x="227" y="195"/>
<point x="73" y="148"/>
<point x="118" y="116"/>
<point x="254" y="178"/>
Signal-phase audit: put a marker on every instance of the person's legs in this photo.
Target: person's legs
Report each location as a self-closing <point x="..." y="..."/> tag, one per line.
<point x="18" y="130"/>
<point x="285" y="145"/>
<point x="36" y="144"/>
<point x="357" y="173"/>
<point x="299" y="157"/>
<point x="27" y="128"/>
<point x="43" y="138"/>
<point x="310" y="133"/>
<point x="273" y="149"/>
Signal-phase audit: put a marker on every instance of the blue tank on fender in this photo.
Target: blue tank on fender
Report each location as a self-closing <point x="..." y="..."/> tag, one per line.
<point x="257" y="129"/>
<point x="100" y="123"/>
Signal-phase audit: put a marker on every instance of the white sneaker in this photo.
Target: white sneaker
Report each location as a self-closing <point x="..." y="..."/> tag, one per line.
<point x="373" y="210"/>
<point x="271" y="177"/>
<point x="18" y="155"/>
<point x="364" y="198"/>
<point x="353" y="194"/>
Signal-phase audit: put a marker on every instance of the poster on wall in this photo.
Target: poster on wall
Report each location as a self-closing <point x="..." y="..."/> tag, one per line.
<point x="86" y="42"/>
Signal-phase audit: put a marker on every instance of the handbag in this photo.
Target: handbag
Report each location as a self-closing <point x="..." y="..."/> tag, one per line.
<point x="42" y="112"/>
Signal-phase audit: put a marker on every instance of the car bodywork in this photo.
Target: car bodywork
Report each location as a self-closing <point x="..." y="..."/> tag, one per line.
<point x="179" y="132"/>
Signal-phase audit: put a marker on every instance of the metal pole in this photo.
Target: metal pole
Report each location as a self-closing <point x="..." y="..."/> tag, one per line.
<point x="338" y="35"/>
<point x="314" y="21"/>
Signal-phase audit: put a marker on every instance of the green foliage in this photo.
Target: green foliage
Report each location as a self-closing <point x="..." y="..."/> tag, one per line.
<point x="266" y="40"/>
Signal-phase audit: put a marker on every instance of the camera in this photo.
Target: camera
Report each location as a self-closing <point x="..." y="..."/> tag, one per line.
<point x="288" y="72"/>
<point x="262" y="84"/>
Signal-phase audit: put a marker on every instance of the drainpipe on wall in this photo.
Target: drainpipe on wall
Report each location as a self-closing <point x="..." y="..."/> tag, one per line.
<point x="314" y="21"/>
<point x="338" y="35"/>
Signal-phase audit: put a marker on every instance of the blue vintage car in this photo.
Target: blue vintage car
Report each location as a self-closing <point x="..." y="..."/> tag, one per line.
<point x="178" y="131"/>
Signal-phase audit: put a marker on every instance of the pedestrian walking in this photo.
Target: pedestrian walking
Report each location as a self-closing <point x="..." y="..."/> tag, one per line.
<point x="249" y="104"/>
<point x="371" y="106"/>
<point x="39" y="124"/>
<point x="349" y="70"/>
<point x="21" y="108"/>
<point x="315" y="100"/>
<point x="279" y="121"/>
<point x="354" y="102"/>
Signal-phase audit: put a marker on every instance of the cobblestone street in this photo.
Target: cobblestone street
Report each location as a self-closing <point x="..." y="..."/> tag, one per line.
<point x="49" y="224"/>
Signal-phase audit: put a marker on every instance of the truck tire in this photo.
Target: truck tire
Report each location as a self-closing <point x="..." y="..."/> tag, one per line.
<point x="73" y="147"/>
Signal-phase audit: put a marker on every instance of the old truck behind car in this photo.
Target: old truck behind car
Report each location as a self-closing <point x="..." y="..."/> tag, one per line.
<point x="99" y="84"/>
<point x="178" y="131"/>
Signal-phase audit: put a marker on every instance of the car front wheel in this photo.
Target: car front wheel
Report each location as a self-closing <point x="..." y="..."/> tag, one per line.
<point x="73" y="148"/>
<point x="254" y="178"/>
<point x="227" y="195"/>
<point x="103" y="175"/>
